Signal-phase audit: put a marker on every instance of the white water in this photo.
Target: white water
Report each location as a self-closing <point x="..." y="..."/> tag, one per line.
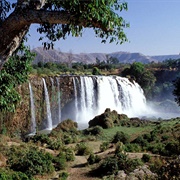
<point x="59" y="101"/>
<point x="33" y="118"/>
<point x="76" y="98"/>
<point x="48" y="109"/>
<point x="100" y="92"/>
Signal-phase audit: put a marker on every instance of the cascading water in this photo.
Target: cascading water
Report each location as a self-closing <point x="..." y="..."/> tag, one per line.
<point x="59" y="101"/>
<point x="76" y="97"/>
<point x="33" y="118"/>
<point x="91" y="96"/>
<point x="96" y="93"/>
<point x="48" y="109"/>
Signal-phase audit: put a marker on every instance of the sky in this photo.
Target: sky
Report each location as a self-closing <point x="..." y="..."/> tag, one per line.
<point x="154" y="30"/>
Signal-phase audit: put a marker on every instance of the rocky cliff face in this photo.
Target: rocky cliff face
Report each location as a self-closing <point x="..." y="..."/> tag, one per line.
<point x="19" y="123"/>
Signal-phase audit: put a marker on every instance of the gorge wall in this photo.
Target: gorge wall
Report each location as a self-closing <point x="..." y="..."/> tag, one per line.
<point x="20" y="122"/>
<point x="48" y="101"/>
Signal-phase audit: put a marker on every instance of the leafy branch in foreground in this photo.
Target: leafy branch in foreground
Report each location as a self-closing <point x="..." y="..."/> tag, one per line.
<point x="14" y="73"/>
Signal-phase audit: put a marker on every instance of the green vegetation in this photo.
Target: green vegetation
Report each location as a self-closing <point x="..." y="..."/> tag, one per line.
<point x="142" y="76"/>
<point x="14" y="73"/>
<point x="156" y="143"/>
<point x="30" y="161"/>
<point x="158" y="80"/>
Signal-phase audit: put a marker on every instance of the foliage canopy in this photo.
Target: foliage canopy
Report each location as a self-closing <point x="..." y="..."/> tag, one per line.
<point x="58" y="19"/>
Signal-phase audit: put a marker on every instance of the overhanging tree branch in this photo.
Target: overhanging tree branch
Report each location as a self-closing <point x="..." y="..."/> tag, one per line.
<point x="61" y="17"/>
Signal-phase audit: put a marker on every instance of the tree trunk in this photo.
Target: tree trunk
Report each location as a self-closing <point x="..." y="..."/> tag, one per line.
<point x="16" y="25"/>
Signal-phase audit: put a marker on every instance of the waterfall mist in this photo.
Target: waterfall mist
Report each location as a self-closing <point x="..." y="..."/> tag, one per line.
<point x="81" y="98"/>
<point x="93" y="94"/>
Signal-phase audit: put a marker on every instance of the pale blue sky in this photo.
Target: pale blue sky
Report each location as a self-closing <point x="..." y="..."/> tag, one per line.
<point x="154" y="30"/>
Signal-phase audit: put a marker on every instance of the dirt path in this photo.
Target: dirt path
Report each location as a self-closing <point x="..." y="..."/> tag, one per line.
<point x="78" y="169"/>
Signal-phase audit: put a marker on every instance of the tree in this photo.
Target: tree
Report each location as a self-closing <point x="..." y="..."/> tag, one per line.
<point x="143" y="77"/>
<point x="14" y="73"/>
<point x="58" y="19"/>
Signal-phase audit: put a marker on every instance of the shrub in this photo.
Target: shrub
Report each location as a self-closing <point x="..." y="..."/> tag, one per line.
<point x="82" y="149"/>
<point x="132" y="147"/>
<point x="67" y="139"/>
<point x="132" y="164"/>
<point x="67" y="125"/>
<point x="121" y="137"/>
<point x="55" y="144"/>
<point x="141" y="141"/>
<point x="43" y="138"/>
<point x="30" y="161"/>
<point x="157" y="148"/>
<point x="93" y="159"/>
<point x="96" y="71"/>
<point x="119" y="148"/>
<point x="11" y="175"/>
<point x="172" y="148"/>
<point x="104" y="146"/>
<point x="165" y="137"/>
<point x="146" y="158"/>
<point x="108" y="166"/>
<point x="69" y="154"/>
<point x="60" y="161"/>
<point x="97" y="130"/>
<point x="63" y="175"/>
<point x="147" y="137"/>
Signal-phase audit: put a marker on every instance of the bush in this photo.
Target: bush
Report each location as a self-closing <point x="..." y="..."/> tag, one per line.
<point x="60" y="161"/>
<point x="30" y="161"/>
<point x="96" y="71"/>
<point x="67" y="139"/>
<point x="82" y="149"/>
<point x="104" y="146"/>
<point x="55" y="145"/>
<point x="108" y="166"/>
<point x="141" y="141"/>
<point x="97" y="130"/>
<point x="67" y="126"/>
<point x="172" y="148"/>
<point x="119" y="148"/>
<point x="93" y="159"/>
<point x="146" y="158"/>
<point x="165" y="137"/>
<point x="43" y="138"/>
<point x="11" y="175"/>
<point x="132" y="164"/>
<point x="158" y="148"/>
<point x="121" y="137"/>
<point x="63" y="175"/>
<point x="132" y="147"/>
<point x="69" y="154"/>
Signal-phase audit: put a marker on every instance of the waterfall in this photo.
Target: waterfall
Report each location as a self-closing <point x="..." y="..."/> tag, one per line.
<point x="59" y="100"/>
<point x="93" y="94"/>
<point x="75" y="81"/>
<point x="48" y="109"/>
<point x="33" y="118"/>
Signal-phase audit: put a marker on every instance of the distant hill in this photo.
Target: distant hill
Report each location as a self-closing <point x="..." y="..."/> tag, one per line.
<point x="123" y="57"/>
<point x="165" y="57"/>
